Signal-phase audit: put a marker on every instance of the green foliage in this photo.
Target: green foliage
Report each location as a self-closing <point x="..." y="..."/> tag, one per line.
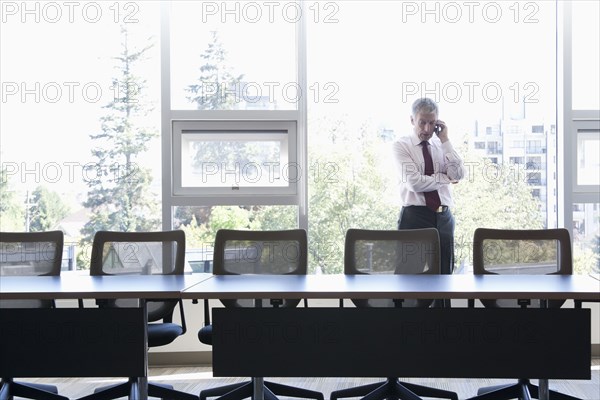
<point x="491" y="196"/>
<point x="349" y="187"/>
<point x="199" y="235"/>
<point x="120" y="196"/>
<point x="12" y="212"/>
<point x="47" y="210"/>
<point x="585" y="261"/>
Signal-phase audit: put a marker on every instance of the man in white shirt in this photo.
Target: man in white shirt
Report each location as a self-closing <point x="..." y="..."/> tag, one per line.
<point x="425" y="187"/>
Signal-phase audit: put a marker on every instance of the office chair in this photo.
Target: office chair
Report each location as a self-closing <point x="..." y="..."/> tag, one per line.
<point x="257" y="252"/>
<point x="143" y="253"/>
<point x="520" y="252"/>
<point x="408" y="251"/>
<point x="32" y="254"/>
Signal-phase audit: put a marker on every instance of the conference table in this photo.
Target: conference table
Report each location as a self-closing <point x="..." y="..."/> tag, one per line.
<point x="462" y="342"/>
<point x="315" y="336"/>
<point x="82" y="342"/>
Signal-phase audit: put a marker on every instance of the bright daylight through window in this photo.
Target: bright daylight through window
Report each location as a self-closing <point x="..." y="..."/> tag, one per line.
<point x="272" y="115"/>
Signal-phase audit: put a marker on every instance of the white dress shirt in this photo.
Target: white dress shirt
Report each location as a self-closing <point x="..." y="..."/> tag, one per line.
<point x="447" y="165"/>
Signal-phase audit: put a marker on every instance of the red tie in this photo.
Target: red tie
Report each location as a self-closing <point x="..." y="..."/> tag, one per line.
<point x="432" y="199"/>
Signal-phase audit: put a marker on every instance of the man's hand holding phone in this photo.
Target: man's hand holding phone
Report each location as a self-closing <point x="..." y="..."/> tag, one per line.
<point x="441" y="130"/>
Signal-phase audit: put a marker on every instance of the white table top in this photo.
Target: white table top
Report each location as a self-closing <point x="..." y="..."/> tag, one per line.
<point x="397" y="286"/>
<point x="97" y="287"/>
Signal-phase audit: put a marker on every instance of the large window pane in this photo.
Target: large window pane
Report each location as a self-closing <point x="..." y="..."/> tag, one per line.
<point x="586" y="54"/>
<point x="586" y="238"/>
<point x="588" y="158"/>
<point x="490" y="66"/>
<point x="202" y="223"/>
<point x="234" y="55"/>
<point x="70" y="84"/>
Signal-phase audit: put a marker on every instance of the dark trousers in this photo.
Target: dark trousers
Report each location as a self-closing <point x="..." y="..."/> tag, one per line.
<point x="416" y="217"/>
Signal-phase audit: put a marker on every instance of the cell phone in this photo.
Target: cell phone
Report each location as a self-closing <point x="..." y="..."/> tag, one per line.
<point x="437" y="129"/>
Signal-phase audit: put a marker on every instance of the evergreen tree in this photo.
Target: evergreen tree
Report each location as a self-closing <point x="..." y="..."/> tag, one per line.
<point x="46" y="210"/>
<point x="119" y="192"/>
<point x="12" y="216"/>
<point x="216" y="87"/>
<point x="215" y="90"/>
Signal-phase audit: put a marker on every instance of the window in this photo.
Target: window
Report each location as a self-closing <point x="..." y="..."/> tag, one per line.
<point x="233" y="55"/>
<point x="537" y="129"/>
<point x="588" y="158"/>
<point x="586" y="54"/>
<point x="65" y="91"/>
<point x="234" y="158"/>
<point x="581" y="152"/>
<point x="371" y="90"/>
<point x="346" y="107"/>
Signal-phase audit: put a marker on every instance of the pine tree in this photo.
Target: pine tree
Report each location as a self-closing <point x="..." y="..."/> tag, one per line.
<point x="12" y="215"/>
<point x="119" y="188"/>
<point x="217" y="87"/>
<point x="47" y="210"/>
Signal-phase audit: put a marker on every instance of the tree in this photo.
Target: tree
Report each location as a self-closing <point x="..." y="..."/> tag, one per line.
<point x="222" y="217"/>
<point x="214" y="90"/>
<point x="46" y="210"/>
<point x="349" y="187"/>
<point x="12" y="215"/>
<point x="120" y="196"/>
<point x="216" y="85"/>
<point x="491" y="196"/>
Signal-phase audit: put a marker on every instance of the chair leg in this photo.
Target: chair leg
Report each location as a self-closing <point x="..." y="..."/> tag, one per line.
<point x="554" y="395"/>
<point x="112" y="392"/>
<point x="167" y="392"/>
<point x="426" y="391"/>
<point x="242" y="392"/>
<point x="523" y="390"/>
<point x="358" y="391"/>
<point x="223" y="390"/>
<point x="10" y="389"/>
<point x="290" y="391"/>
<point x="393" y="388"/>
<point x="502" y="393"/>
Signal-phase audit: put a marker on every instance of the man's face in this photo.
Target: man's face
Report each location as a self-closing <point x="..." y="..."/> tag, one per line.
<point x="424" y="124"/>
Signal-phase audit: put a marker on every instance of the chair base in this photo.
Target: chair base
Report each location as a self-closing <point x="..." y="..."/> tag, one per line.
<point x="523" y="390"/>
<point x="238" y="391"/>
<point x="10" y="389"/>
<point x="130" y="389"/>
<point x="392" y="388"/>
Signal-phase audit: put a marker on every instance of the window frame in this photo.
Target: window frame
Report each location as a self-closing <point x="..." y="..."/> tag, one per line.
<point x="282" y="131"/>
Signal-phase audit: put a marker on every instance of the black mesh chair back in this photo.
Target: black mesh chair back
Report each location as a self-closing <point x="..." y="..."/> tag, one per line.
<point x="238" y="252"/>
<point x="414" y="251"/>
<point x="522" y="252"/>
<point x="140" y="253"/>
<point x="407" y="251"/>
<point x="30" y="254"/>
<point x="143" y="253"/>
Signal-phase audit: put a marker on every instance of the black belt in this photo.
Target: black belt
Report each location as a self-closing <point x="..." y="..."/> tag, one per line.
<point x="440" y="209"/>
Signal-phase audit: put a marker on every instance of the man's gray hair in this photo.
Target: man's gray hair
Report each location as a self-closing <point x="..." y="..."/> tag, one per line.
<point x="424" y="105"/>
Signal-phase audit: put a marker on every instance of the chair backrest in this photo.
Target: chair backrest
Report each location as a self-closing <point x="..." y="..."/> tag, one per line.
<point x="280" y="252"/>
<point x="30" y="254"/>
<point x="406" y="251"/>
<point x="521" y="252"/>
<point x="140" y="253"/>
